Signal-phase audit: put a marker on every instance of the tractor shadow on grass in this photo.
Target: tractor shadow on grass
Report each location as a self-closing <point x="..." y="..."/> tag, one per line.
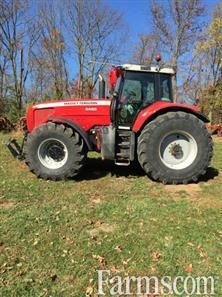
<point x="96" y="168"/>
<point x="209" y="175"/>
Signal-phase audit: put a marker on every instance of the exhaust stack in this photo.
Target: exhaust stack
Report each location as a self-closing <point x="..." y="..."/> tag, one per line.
<point x="102" y="87"/>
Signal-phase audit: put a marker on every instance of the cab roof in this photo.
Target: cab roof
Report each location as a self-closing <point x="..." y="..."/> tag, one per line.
<point x="144" y="68"/>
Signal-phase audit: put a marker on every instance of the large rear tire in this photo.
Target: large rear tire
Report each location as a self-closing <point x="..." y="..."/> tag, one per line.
<point x="175" y="148"/>
<point x="55" y="152"/>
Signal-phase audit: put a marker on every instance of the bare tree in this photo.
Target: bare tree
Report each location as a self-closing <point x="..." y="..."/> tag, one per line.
<point x="48" y="56"/>
<point x="146" y="48"/>
<point x="191" y="80"/>
<point x="209" y="48"/>
<point x="4" y="61"/>
<point x="205" y="66"/>
<point x="177" y="24"/>
<point x="17" y="38"/>
<point x="94" y="28"/>
<point x="209" y="51"/>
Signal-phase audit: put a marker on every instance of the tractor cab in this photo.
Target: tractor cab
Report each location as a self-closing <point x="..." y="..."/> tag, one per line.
<point x="135" y="87"/>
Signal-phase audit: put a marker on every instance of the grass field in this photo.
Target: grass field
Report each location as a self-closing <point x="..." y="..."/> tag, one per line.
<point x="54" y="236"/>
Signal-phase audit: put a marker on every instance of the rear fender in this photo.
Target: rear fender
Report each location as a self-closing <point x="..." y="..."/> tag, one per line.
<point x="150" y="113"/>
<point x="74" y="126"/>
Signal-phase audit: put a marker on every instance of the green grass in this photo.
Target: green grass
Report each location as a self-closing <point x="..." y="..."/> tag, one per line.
<point x="54" y="236"/>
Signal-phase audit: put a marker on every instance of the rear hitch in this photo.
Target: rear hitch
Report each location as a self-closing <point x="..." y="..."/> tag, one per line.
<point x="16" y="149"/>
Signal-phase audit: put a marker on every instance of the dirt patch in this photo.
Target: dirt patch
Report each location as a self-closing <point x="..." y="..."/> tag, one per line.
<point x="192" y="190"/>
<point x="209" y="203"/>
<point x="217" y="139"/>
<point x="195" y="193"/>
<point x="101" y="227"/>
<point x="5" y="204"/>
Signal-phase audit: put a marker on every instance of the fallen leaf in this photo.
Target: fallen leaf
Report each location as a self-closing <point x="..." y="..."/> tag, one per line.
<point x="54" y="277"/>
<point x="118" y="248"/>
<point x="89" y="291"/>
<point x="89" y="222"/>
<point x="19" y="265"/>
<point x="98" y="224"/>
<point x="188" y="268"/>
<point x="203" y="254"/>
<point x="168" y="238"/>
<point x="125" y="262"/>
<point x="28" y="280"/>
<point x="156" y="256"/>
<point x="190" y="244"/>
<point x="101" y="260"/>
<point x="114" y="270"/>
<point x="35" y="242"/>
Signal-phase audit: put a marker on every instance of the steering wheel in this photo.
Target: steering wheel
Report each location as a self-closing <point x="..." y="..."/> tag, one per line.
<point x="132" y="93"/>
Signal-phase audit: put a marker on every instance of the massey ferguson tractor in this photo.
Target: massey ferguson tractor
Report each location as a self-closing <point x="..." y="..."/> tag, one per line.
<point x="140" y="122"/>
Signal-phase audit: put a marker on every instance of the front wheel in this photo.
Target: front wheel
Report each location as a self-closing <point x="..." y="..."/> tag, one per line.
<point x="55" y="152"/>
<point x="175" y="148"/>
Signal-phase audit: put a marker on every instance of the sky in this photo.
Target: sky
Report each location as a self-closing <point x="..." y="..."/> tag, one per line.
<point x="137" y="19"/>
<point x="136" y="13"/>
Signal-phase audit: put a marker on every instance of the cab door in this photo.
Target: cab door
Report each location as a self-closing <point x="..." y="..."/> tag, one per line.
<point x="138" y="91"/>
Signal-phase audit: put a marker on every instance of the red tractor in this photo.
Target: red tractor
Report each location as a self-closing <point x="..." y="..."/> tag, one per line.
<point x="140" y="122"/>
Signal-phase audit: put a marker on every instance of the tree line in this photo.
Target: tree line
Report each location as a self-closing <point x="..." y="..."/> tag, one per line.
<point x="43" y="43"/>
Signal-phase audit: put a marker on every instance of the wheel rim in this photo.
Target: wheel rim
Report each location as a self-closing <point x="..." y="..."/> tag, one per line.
<point x="52" y="153"/>
<point x="178" y="150"/>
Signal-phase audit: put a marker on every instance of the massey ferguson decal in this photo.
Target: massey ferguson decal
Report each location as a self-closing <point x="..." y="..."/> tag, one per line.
<point x="73" y="103"/>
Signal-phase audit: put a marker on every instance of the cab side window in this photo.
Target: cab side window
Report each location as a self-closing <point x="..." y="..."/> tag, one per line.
<point x="149" y="92"/>
<point x="165" y="88"/>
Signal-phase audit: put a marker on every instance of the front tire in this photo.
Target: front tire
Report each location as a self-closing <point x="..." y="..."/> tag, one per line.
<point x="175" y="148"/>
<point x="55" y="152"/>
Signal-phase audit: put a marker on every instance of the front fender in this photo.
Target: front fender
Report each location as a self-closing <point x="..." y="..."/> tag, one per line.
<point x="73" y="125"/>
<point x="158" y="108"/>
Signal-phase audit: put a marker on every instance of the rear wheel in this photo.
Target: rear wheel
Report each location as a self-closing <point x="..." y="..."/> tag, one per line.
<point x="175" y="148"/>
<point x="55" y="152"/>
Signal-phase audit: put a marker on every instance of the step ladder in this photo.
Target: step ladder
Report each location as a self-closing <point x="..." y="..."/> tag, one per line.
<point x="124" y="147"/>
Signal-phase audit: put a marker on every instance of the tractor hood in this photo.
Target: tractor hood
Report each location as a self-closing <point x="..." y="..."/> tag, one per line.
<point x="85" y="113"/>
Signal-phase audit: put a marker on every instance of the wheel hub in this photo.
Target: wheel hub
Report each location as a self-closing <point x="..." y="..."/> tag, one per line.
<point x="56" y="152"/>
<point x="52" y="153"/>
<point x="176" y="151"/>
